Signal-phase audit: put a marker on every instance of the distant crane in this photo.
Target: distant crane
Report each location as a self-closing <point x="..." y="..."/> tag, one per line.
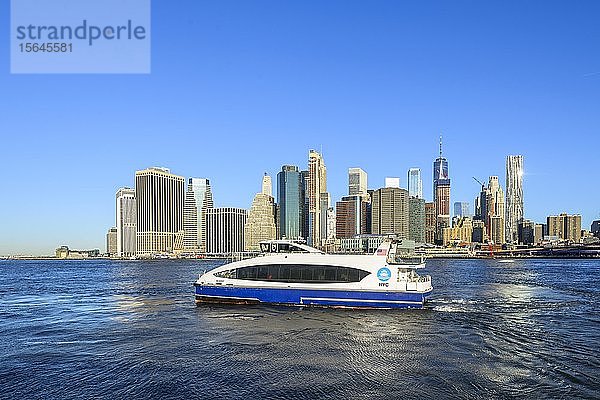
<point x="478" y="181"/>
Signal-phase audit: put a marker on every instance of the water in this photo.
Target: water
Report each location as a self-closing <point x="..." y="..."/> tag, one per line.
<point x="105" y="329"/>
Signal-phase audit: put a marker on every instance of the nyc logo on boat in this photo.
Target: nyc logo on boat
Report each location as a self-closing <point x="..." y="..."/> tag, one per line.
<point x="384" y="274"/>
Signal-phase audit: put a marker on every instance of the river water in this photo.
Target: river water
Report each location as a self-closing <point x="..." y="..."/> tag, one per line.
<point x="130" y="330"/>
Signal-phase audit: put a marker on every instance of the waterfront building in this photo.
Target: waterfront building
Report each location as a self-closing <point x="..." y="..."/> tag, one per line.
<point x="595" y="229"/>
<point x="225" y="230"/>
<point x="316" y="185"/>
<point x="198" y="199"/>
<point x="362" y="244"/>
<point x="190" y="221"/>
<point x="514" y="197"/>
<point x="415" y="183"/>
<point x="160" y="198"/>
<point x="290" y="200"/>
<point x="390" y="212"/>
<point x="416" y="219"/>
<point x="126" y="221"/>
<point x="494" y="206"/>
<point x="351" y="216"/>
<point x="392" y="182"/>
<point x="538" y="234"/>
<point x="479" y="234"/>
<point x="430" y="221"/>
<point x="462" y="209"/>
<point x="325" y="200"/>
<point x="565" y="227"/>
<point x="357" y="182"/>
<point x="441" y="192"/>
<point x="111" y="242"/>
<point x="526" y="232"/>
<point x="460" y="233"/>
<point x="260" y="224"/>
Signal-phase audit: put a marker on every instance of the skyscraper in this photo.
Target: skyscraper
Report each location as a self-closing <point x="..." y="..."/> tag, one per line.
<point x="415" y="183"/>
<point x="160" y="198"/>
<point x="126" y="222"/>
<point x="565" y="227"/>
<point x="357" y="182"/>
<point x="225" y="229"/>
<point x="260" y="224"/>
<point x="316" y="185"/>
<point x="441" y="192"/>
<point x="290" y="198"/>
<point x="190" y="221"/>
<point x="390" y="212"/>
<point x="514" y="197"/>
<point x="462" y="209"/>
<point x="351" y="216"/>
<point x="202" y="200"/>
<point x="430" y="222"/>
<point x="494" y="206"/>
<point x="416" y="219"/>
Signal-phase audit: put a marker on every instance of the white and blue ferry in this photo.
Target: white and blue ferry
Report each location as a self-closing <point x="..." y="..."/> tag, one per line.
<point x="291" y="273"/>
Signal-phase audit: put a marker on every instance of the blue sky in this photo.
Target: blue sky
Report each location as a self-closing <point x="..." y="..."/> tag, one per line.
<point x="240" y="88"/>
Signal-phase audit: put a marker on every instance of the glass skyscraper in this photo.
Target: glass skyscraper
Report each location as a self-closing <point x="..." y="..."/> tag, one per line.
<point x="514" y="197"/>
<point x="290" y="197"/>
<point x="415" y="183"/>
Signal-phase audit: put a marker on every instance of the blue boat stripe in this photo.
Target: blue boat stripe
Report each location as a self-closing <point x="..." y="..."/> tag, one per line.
<point x="360" y="300"/>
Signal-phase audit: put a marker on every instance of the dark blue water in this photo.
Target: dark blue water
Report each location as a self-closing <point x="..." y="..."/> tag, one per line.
<point x="130" y="330"/>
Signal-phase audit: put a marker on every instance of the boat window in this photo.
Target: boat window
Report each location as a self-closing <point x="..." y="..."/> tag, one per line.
<point x="229" y="274"/>
<point x="301" y="273"/>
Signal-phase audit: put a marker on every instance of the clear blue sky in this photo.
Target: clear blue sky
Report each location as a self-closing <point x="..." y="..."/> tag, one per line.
<point x="239" y="88"/>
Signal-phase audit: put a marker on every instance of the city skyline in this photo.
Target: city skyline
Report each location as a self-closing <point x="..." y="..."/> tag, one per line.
<point x="372" y="87"/>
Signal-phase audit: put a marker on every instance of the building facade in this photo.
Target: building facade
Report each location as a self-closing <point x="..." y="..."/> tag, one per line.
<point x="416" y="219"/>
<point x="390" y="213"/>
<point x="460" y="233"/>
<point x="565" y="227"/>
<point x="316" y="185"/>
<point x="462" y="209"/>
<point x="160" y="200"/>
<point x="351" y="216"/>
<point x="494" y="207"/>
<point x="514" y="197"/>
<point x="357" y="182"/>
<point x="111" y="242"/>
<point x="190" y="221"/>
<point x="441" y="192"/>
<point x="202" y="200"/>
<point x="290" y="201"/>
<point x="430" y="222"/>
<point x="415" y="183"/>
<point x="225" y="230"/>
<point x="126" y="221"/>
<point x="260" y="224"/>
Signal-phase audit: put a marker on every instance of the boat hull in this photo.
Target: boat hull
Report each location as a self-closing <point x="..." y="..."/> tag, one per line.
<point x="308" y="297"/>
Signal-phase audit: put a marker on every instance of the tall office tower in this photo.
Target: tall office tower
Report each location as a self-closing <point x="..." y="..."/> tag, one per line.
<point x="316" y="185"/>
<point x="190" y="221"/>
<point x="392" y="182"/>
<point x="225" y="229"/>
<point x="494" y="206"/>
<point x="325" y="204"/>
<point x="430" y="220"/>
<point x="527" y="232"/>
<point x="565" y="227"/>
<point x="415" y="183"/>
<point x="126" y="222"/>
<point x="357" y="182"/>
<point x="351" y="216"/>
<point x="539" y="234"/>
<point x="260" y="224"/>
<point x="305" y="227"/>
<point x="462" y="209"/>
<point x="290" y="199"/>
<point x="416" y="219"/>
<point x="390" y="212"/>
<point x="111" y="242"/>
<point x="441" y="193"/>
<point x="514" y="197"/>
<point x="199" y="189"/>
<point x="160" y="198"/>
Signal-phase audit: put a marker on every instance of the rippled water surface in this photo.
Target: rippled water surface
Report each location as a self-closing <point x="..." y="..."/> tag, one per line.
<point x="105" y="329"/>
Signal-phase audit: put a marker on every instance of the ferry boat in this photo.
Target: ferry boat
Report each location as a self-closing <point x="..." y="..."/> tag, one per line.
<point x="292" y="273"/>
